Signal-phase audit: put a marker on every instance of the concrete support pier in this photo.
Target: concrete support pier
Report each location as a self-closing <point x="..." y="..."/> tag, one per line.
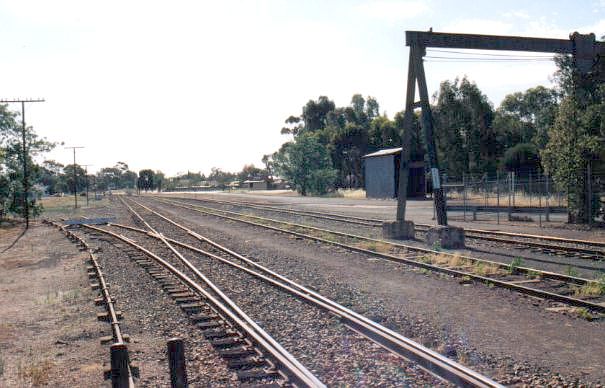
<point x="398" y="230"/>
<point x="449" y="237"/>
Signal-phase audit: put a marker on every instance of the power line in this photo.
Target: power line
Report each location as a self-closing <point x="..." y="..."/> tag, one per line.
<point x="458" y="59"/>
<point x="489" y="54"/>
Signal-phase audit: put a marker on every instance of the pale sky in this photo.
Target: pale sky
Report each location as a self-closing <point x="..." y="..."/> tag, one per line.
<point x="190" y="85"/>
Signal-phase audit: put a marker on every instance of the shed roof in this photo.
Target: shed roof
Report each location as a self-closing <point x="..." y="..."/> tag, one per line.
<point x="385" y="152"/>
<point x="251" y="181"/>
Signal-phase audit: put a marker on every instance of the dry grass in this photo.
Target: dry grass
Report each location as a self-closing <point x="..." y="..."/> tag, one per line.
<point x="65" y="205"/>
<point x="591" y="289"/>
<point x="487" y="269"/>
<point x="36" y="371"/>
<point x="521" y="199"/>
<point x="352" y="193"/>
<point x="445" y="260"/>
<point x="55" y="297"/>
<point x="374" y="246"/>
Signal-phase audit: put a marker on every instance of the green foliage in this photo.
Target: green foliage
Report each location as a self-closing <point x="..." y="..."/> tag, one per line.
<point x="514" y="265"/>
<point x="12" y="158"/>
<point x="146" y="180"/>
<point x="576" y="137"/>
<point x="526" y="117"/>
<point x="305" y="162"/>
<point x="522" y="158"/>
<point x="466" y="141"/>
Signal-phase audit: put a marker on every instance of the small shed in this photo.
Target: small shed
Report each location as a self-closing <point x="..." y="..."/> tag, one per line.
<point x="255" y="185"/>
<point x="382" y="175"/>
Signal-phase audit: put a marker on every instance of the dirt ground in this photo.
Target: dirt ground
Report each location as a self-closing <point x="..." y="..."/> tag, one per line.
<point x="49" y="335"/>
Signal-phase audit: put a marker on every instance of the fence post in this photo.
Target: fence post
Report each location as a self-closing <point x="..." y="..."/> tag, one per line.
<point x="529" y="189"/>
<point x="514" y="179"/>
<point x="510" y="182"/>
<point x="464" y="194"/>
<point x="498" y="196"/>
<point x="540" y="209"/>
<point x="485" y="187"/>
<point x="547" y="198"/>
<point x="176" y="363"/>
<point x="589" y="192"/>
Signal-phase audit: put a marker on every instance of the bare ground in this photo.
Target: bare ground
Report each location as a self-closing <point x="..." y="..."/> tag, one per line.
<point x="48" y="332"/>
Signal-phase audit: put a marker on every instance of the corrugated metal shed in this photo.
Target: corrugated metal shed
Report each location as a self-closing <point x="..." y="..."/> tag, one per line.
<point x="382" y="175"/>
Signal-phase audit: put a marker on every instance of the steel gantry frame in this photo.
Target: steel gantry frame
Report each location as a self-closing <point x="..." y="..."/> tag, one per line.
<point x="585" y="50"/>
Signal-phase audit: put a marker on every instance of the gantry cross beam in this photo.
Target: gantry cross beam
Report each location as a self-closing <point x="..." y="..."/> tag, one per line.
<point x="585" y="50"/>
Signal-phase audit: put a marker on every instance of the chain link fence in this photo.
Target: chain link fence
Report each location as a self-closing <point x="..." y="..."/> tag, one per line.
<point x="528" y="197"/>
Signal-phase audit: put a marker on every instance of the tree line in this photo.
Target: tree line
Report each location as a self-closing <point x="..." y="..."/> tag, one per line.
<point x="558" y="131"/>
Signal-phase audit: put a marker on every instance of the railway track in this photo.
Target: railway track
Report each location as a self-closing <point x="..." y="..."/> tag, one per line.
<point x="249" y="350"/>
<point x="427" y="359"/>
<point x="567" y="290"/>
<point x="583" y="249"/>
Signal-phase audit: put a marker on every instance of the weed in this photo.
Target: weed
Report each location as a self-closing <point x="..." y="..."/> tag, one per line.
<point x="532" y="274"/>
<point x="571" y="271"/>
<point x="485" y="269"/>
<point x="1" y="365"/>
<point x="584" y="313"/>
<point x="437" y="246"/>
<point x="591" y="289"/>
<point x="516" y="263"/>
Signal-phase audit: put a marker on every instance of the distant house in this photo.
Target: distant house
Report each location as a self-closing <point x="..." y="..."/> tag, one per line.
<point x="255" y="185"/>
<point x="382" y="175"/>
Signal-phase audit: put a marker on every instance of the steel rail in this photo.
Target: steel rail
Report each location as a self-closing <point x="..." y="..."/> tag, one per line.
<point x="296" y="372"/>
<point x="512" y="286"/>
<point x="431" y="361"/>
<point x="320" y="215"/>
<point x="478" y="234"/>
<point x="247" y="325"/>
<point x="114" y="322"/>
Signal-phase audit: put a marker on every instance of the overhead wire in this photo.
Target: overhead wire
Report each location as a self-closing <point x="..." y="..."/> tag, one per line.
<point x="483" y="57"/>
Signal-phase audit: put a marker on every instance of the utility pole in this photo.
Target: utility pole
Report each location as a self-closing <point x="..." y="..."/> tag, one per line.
<point x="86" y="174"/>
<point x="75" y="177"/>
<point x="25" y="172"/>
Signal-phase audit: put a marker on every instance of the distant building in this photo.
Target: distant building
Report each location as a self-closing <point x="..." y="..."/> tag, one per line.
<point x="382" y="175"/>
<point x="255" y="185"/>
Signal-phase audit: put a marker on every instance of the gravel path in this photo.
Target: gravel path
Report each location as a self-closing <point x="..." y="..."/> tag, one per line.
<point x="502" y="334"/>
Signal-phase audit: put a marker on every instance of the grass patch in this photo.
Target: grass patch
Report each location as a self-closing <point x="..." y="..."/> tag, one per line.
<point x="374" y="246"/>
<point x="55" y="297"/>
<point x="514" y="265"/>
<point x="532" y="274"/>
<point x="36" y="371"/>
<point x="591" y="289"/>
<point x="584" y="313"/>
<point x="486" y="269"/>
<point x="571" y="271"/>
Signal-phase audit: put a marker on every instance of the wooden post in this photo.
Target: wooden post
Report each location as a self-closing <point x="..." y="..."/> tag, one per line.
<point x="176" y="363"/>
<point x="427" y="127"/>
<point x="408" y="123"/>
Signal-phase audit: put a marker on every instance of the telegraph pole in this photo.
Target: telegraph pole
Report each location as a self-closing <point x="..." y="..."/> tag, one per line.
<point x="86" y="172"/>
<point x="25" y="172"/>
<point x="75" y="178"/>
